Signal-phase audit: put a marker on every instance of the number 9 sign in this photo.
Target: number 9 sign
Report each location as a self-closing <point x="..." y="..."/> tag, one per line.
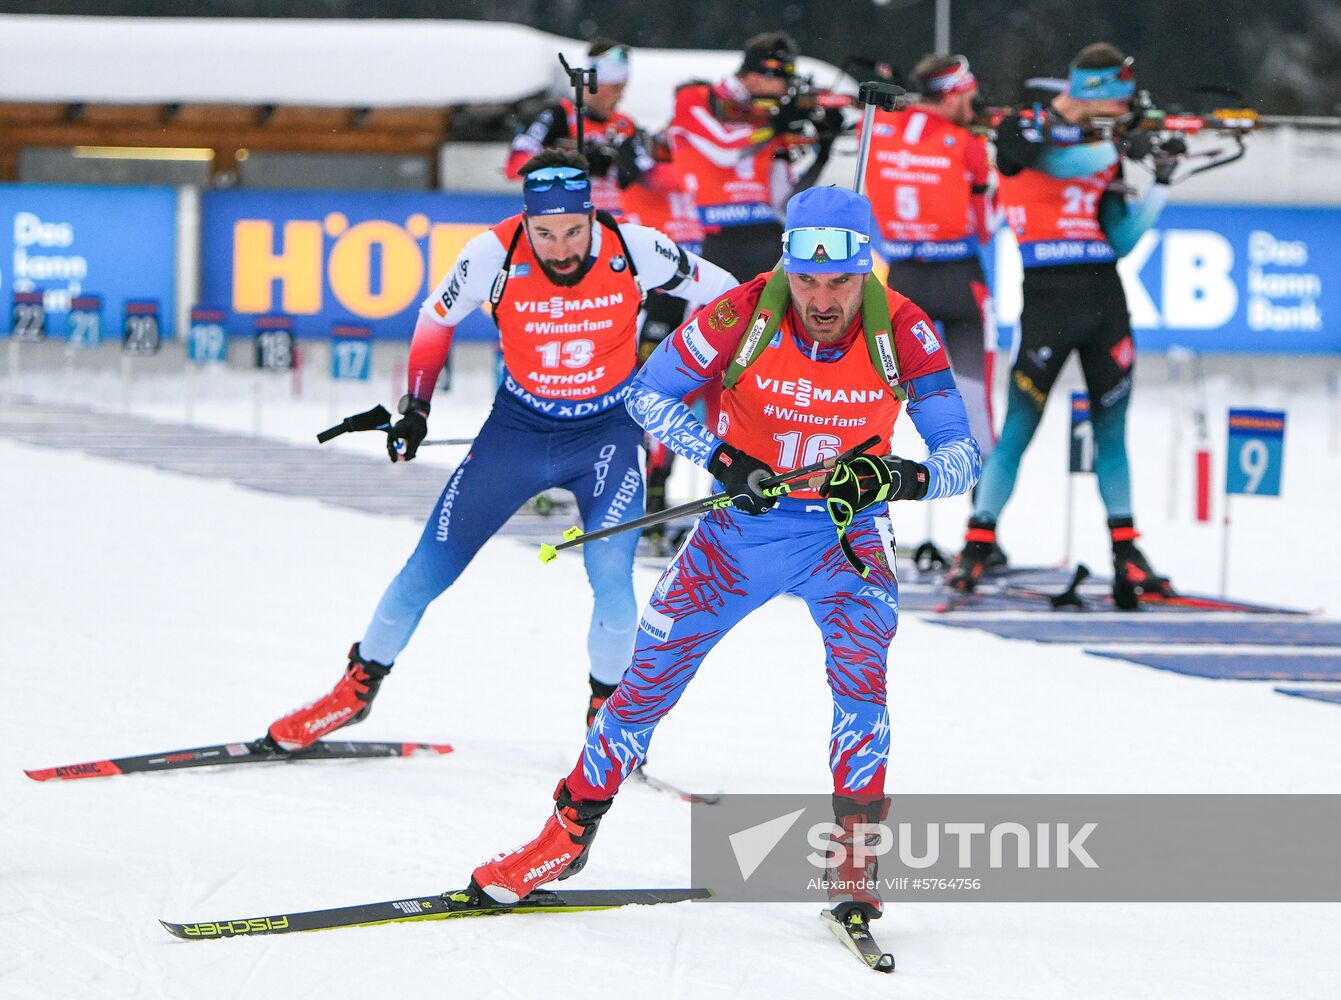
<point x="1256" y="452"/>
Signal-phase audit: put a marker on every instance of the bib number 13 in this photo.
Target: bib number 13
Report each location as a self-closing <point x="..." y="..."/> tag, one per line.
<point x="797" y="450"/>
<point x="570" y="354"/>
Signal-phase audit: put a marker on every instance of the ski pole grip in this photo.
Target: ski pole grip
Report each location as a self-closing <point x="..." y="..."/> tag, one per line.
<point x="378" y="418"/>
<point x="872" y="94"/>
<point x="882" y="95"/>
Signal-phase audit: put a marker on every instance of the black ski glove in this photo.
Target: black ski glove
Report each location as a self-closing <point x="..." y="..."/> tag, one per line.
<point x="741" y="476"/>
<point x="631" y="160"/>
<point x="411" y="428"/>
<point x="866" y="480"/>
<point x="1167" y="157"/>
<point x="600" y="158"/>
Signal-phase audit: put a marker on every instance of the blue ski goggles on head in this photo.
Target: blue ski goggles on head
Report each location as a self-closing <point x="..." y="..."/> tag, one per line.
<point x="556" y="191"/>
<point x="1109" y="83"/>
<point x="824" y="250"/>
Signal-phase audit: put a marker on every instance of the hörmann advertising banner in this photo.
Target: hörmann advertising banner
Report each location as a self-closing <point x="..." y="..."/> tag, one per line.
<point x="1222" y="279"/>
<point x="325" y="257"/>
<point x="66" y="241"/>
<point x="1235" y="279"/>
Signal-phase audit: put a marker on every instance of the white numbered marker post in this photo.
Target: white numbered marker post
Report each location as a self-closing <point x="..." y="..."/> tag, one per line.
<point x="207" y="339"/>
<point x="83" y="331"/>
<point x="141" y="332"/>
<point x="1254" y="460"/>
<point x="1080" y="459"/>
<point x="351" y="357"/>
<point x="351" y="352"/>
<point x="28" y="317"/>
<point x="27" y="322"/>
<point x="274" y="352"/>
<point x="141" y="336"/>
<point x="206" y="344"/>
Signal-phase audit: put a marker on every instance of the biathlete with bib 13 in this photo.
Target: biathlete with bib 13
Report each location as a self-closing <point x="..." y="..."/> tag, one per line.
<point x="566" y="283"/>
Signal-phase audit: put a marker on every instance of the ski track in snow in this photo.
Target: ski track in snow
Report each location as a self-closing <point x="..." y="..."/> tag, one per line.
<point x="146" y="610"/>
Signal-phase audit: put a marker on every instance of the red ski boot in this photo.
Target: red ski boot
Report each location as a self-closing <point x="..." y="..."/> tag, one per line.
<point x="1133" y="577"/>
<point x="980" y="554"/>
<point x="852" y="879"/>
<point x="558" y="853"/>
<point x="349" y="702"/>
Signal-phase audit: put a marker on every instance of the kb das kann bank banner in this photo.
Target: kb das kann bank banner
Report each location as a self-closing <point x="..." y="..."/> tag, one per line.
<point x="1236" y="279"/>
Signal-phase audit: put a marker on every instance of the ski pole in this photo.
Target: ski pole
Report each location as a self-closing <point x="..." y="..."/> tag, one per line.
<point x="582" y="80"/>
<point x="378" y="419"/>
<point x="773" y="486"/>
<point x="872" y="94"/>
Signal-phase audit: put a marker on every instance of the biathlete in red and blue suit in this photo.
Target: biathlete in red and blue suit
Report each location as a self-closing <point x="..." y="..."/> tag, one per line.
<point x="813" y="360"/>
<point x="566" y="284"/>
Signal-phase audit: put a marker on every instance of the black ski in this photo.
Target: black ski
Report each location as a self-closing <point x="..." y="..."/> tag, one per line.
<point x="652" y="781"/>
<point x="854" y="933"/>
<point x="447" y="906"/>
<point x="256" y="751"/>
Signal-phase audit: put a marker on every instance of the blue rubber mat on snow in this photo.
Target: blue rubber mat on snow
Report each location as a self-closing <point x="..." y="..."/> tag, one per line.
<point x="1202" y="630"/>
<point x="1314" y="694"/>
<point x="1263" y="666"/>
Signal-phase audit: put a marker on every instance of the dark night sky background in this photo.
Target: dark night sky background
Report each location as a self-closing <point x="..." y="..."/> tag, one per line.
<point x="1285" y="55"/>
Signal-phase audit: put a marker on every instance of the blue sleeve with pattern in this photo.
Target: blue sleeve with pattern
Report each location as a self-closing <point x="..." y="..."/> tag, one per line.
<point x="656" y="402"/>
<point x="937" y="411"/>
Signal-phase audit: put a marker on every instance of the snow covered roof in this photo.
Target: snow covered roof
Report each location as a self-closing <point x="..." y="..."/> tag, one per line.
<point x="355" y="63"/>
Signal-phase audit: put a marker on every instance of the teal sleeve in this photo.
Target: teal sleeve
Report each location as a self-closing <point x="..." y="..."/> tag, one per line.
<point x="1124" y="225"/>
<point x="1065" y="162"/>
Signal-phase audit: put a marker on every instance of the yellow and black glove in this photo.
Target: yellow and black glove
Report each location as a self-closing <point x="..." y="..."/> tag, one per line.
<point x="864" y="481"/>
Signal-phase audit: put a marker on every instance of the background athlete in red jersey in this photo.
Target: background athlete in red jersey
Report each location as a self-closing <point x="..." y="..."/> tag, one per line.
<point x="813" y="392"/>
<point x="617" y="150"/>
<point x="928" y="178"/>
<point x="733" y="142"/>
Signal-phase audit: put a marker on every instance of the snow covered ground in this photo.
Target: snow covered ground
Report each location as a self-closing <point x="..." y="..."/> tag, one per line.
<point x="145" y="610"/>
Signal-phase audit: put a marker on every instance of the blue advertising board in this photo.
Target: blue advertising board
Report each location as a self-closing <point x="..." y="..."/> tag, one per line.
<point x="62" y="240"/>
<point x="324" y="257"/>
<point x="1235" y="279"/>
<point x="1255" y="455"/>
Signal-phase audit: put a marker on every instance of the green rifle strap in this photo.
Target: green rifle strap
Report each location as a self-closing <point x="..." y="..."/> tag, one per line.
<point x="768" y="316"/>
<point x="878" y="327"/>
<point x="774" y="301"/>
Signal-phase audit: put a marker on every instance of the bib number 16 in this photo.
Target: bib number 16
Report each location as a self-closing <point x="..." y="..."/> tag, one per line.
<point x="797" y="449"/>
